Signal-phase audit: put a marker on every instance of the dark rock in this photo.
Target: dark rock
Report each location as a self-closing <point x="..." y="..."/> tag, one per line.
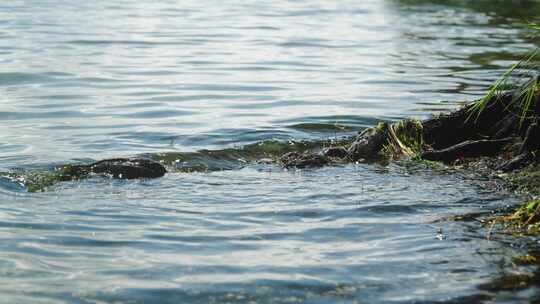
<point x="335" y="152"/>
<point x="300" y="161"/>
<point x="369" y="143"/>
<point x="469" y="148"/>
<point x="123" y="168"/>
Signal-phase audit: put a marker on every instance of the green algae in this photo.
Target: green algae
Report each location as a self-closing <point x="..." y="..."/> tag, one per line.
<point x="418" y="164"/>
<point x="235" y="158"/>
<point x="525" y="260"/>
<point x="524" y="220"/>
<point x="39" y="181"/>
<point x="251" y="152"/>
<point x="187" y="162"/>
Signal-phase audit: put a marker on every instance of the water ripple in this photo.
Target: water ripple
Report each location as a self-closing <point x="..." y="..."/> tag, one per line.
<point x="82" y="81"/>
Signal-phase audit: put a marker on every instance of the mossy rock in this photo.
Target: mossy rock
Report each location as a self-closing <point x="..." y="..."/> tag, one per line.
<point x="120" y="168"/>
<point x="303" y="160"/>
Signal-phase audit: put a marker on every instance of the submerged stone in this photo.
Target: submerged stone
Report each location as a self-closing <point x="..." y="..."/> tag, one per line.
<point x="300" y="161"/>
<point x="335" y="152"/>
<point x="122" y="168"/>
<point x="129" y="168"/>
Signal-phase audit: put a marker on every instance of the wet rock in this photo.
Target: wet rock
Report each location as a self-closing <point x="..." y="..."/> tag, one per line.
<point x="300" y="161"/>
<point x="122" y="168"/>
<point x="335" y="152"/>
<point x="369" y="143"/>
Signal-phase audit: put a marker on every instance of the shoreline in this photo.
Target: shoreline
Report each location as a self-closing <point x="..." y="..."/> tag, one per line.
<point x="454" y="140"/>
<point x="494" y="141"/>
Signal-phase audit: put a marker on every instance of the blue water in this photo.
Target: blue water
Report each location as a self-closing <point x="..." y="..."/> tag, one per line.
<point x="82" y="81"/>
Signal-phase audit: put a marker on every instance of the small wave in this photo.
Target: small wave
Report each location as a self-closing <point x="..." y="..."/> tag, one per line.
<point x="15" y="78"/>
<point x="133" y="42"/>
<point x="11" y="187"/>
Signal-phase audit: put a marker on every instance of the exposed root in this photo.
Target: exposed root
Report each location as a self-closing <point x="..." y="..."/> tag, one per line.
<point x="467" y="149"/>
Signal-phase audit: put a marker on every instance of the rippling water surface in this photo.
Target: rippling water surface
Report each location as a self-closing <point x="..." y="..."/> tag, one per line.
<point x="90" y="80"/>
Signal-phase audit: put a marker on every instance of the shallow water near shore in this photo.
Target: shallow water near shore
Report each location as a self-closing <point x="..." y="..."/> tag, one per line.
<point x="357" y="232"/>
<point x="82" y="82"/>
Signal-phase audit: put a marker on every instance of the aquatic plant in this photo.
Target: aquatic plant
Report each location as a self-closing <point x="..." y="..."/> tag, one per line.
<point x="523" y="77"/>
<point x="524" y="220"/>
<point x="404" y="138"/>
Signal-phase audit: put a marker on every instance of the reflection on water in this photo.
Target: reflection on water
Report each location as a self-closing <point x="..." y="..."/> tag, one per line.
<point x="90" y="80"/>
<point x="98" y="80"/>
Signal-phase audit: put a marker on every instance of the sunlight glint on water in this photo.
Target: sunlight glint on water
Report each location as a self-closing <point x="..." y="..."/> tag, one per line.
<point x="96" y="79"/>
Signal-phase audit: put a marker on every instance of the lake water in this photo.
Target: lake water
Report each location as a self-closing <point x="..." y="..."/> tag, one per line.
<point x="83" y="81"/>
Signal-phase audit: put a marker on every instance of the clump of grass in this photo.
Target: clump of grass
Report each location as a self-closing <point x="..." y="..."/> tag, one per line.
<point x="525" y="260"/>
<point x="404" y="138"/>
<point x="524" y="220"/>
<point x="524" y="73"/>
